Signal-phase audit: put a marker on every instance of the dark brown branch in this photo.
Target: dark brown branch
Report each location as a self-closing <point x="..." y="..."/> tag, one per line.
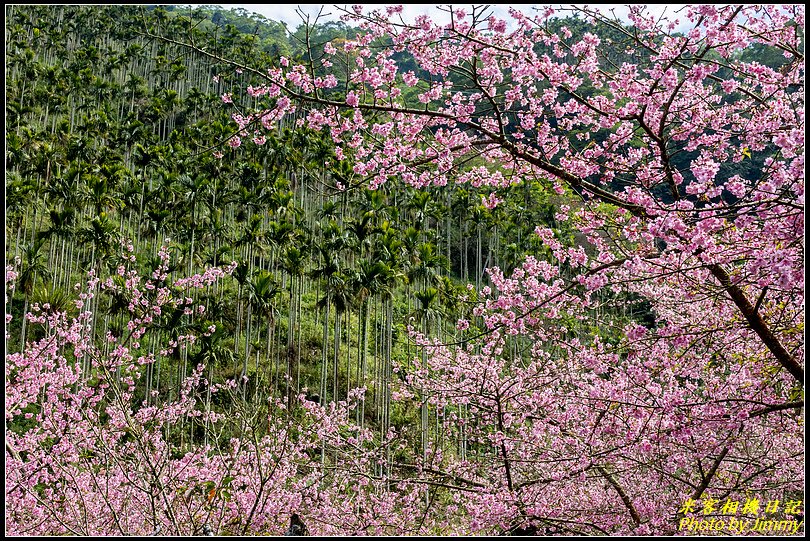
<point x="13" y="452"/>
<point x="453" y="477"/>
<point x="622" y="494"/>
<point x="548" y="480"/>
<point x="760" y="299"/>
<point x="709" y="475"/>
<point x="756" y="323"/>
<point x="504" y="455"/>
<point x="658" y="139"/>
<point x="777" y="407"/>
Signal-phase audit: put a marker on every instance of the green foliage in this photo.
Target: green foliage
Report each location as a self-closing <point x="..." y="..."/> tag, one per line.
<point x="110" y="140"/>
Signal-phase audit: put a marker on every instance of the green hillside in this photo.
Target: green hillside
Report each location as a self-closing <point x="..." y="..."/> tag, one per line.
<point x="113" y="138"/>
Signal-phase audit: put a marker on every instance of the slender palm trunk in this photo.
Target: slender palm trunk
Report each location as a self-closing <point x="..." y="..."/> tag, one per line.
<point x="363" y="362"/>
<point x="335" y="395"/>
<point x="324" y="348"/>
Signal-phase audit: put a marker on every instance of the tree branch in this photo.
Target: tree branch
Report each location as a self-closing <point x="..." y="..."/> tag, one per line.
<point x="777" y="407"/>
<point x="758" y="324"/>
<point x="628" y="503"/>
<point x="709" y="475"/>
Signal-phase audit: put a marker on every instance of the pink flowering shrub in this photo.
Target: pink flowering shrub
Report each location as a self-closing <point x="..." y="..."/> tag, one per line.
<point x="88" y="455"/>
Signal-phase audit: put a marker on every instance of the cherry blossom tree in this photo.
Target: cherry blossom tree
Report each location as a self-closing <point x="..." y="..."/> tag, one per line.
<point x="487" y="92"/>
<point x="685" y="153"/>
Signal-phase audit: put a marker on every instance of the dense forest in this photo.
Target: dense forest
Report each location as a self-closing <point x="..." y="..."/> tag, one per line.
<point x="115" y="138"/>
<point x="121" y="166"/>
